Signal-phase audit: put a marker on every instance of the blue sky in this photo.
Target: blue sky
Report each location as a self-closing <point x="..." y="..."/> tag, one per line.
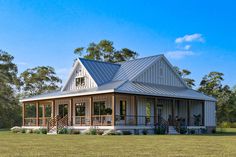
<point x="195" y="35"/>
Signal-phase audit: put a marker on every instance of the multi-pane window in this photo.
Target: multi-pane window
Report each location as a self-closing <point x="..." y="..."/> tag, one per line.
<point x="99" y="108"/>
<point x="79" y="81"/>
<point x="122" y="109"/>
<point x="80" y="109"/>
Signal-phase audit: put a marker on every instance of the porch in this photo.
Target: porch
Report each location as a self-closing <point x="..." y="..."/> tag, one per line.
<point x="114" y="109"/>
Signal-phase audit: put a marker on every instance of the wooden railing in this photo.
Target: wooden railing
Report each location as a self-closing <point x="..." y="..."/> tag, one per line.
<point x="129" y="120"/>
<point x="30" y="121"/>
<point x="101" y="120"/>
<point x="163" y="124"/>
<point x="63" y="122"/>
<point x="82" y="120"/>
<point x="52" y="123"/>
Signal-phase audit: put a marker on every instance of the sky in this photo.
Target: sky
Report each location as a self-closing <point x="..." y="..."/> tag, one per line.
<point x="196" y="35"/>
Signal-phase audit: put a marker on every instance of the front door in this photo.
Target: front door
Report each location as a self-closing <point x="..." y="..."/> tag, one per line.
<point x="63" y="110"/>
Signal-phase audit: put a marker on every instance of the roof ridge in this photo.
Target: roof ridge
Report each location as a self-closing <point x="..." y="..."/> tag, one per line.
<point x="99" y="61"/>
<point x="143" y="58"/>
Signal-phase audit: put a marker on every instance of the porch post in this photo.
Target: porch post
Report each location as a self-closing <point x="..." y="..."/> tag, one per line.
<point x="203" y="113"/>
<point x="37" y="113"/>
<point x="53" y="108"/>
<point x="90" y="108"/>
<point x="136" y="110"/>
<point x="23" y="114"/>
<point x="43" y="114"/>
<point x="113" y="109"/>
<point x="173" y="111"/>
<point x="71" y="112"/>
<point x="188" y="113"/>
<point x="155" y="112"/>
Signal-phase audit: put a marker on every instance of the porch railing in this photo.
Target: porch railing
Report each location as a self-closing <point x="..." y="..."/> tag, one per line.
<point x="96" y="120"/>
<point x="130" y="120"/>
<point x="30" y="121"/>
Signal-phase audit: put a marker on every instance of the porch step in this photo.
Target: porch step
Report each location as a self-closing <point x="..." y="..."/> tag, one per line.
<point x="172" y="131"/>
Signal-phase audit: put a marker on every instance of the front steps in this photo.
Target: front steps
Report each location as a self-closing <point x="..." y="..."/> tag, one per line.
<point x="172" y="131"/>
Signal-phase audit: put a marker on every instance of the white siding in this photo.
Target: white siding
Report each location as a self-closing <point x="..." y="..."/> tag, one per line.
<point x="80" y="71"/>
<point x="210" y="115"/>
<point x="154" y="75"/>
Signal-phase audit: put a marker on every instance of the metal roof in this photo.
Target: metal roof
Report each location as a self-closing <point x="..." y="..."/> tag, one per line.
<point x="105" y="88"/>
<point x="101" y="72"/>
<point x="162" y="90"/>
<point x="118" y="78"/>
<point x="131" y="69"/>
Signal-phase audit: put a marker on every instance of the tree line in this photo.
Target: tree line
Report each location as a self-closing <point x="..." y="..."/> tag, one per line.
<point x="41" y="79"/>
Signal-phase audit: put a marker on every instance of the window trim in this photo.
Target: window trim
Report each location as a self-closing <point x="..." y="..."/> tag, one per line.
<point x="81" y="82"/>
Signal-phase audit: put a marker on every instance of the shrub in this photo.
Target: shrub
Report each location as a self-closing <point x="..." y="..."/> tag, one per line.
<point x="43" y="131"/>
<point x="183" y="130"/>
<point x="36" y="131"/>
<point x="213" y="131"/>
<point x="159" y="130"/>
<point x="100" y="132"/>
<point x="136" y="132"/>
<point x="112" y="132"/>
<point x="192" y="131"/>
<point x="23" y="130"/>
<point x="145" y="132"/>
<point x="29" y="131"/>
<point x="63" y="131"/>
<point x="74" y="131"/>
<point x="203" y="131"/>
<point x="16" y="129"/>
<point x="92" y="131"/>
<point x="126" y="132"/>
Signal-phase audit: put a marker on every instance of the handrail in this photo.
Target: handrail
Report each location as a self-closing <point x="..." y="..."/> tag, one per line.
<point x="61" y="123"/>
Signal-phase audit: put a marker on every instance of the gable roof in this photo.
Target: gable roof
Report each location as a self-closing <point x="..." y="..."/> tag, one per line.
<point x="101" y="72"/>
<point x="118" y="77"/>
<point x="130" y="69"/>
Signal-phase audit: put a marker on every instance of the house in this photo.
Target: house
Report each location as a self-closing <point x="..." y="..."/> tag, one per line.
<point x="134" y="95"/>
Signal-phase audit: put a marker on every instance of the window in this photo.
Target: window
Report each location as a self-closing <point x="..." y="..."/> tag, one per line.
<point x="122" y="110"/>
<point x="80" y="109"/>
<point x="99" y="108"/>
<point x="80" y="81"/>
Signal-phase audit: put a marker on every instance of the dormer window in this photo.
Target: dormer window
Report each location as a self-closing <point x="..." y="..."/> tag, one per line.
<point x="79" y="81"/>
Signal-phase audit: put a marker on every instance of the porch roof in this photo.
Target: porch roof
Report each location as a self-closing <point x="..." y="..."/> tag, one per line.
<point x="129" y="88"/>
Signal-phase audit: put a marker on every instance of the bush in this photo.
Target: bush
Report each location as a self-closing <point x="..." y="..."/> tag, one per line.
<point x="29" y="131"/>
<point x="203" y="131"/>
<point x="23" y="130"/>
<point x="213" y="131"/>
<point x="63" y="131"/>
<point x="43" y="131"/>
<point x="100" y="132"/>
<point x="36" y="131"/>
<point x="74" y="131"/>
<point x="16" y="129"/>
<point x="192" y="131"/>
<point x="183" y="130"/>
<point x="145" y="132"/>
<point x="227" y="125"/>
<point x="126" y="132"/>
<point x="112" y="132"/>
<point x="159" y="130"/>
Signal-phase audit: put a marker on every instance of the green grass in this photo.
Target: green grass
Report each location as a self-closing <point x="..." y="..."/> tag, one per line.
<point x="88" y="145"/>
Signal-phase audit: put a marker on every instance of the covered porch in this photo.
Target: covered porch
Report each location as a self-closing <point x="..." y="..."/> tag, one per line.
<point x="114" y="109"/>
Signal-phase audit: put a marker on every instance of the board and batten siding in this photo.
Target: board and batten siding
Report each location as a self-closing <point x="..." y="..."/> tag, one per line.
<point x="210" y="113"/>
<point x="160" y="73"/>
<point x="80" y="71"/>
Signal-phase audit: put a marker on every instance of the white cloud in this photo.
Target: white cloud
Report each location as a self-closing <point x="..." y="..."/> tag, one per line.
<point x="187" y="47"/>
<point x="190" y="38"/>
<point x="178" y="54"/>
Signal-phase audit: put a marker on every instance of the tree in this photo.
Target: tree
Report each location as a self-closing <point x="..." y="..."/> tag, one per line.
<point x="211" y="84"/>
<point x="9" y="108"/>
<point x="39" y="80"/>
<point x="184" y="74"/>
<point x="105" y="51"/>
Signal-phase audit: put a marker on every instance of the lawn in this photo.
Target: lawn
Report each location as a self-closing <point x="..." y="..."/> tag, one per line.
<point x="223" y="144"/>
